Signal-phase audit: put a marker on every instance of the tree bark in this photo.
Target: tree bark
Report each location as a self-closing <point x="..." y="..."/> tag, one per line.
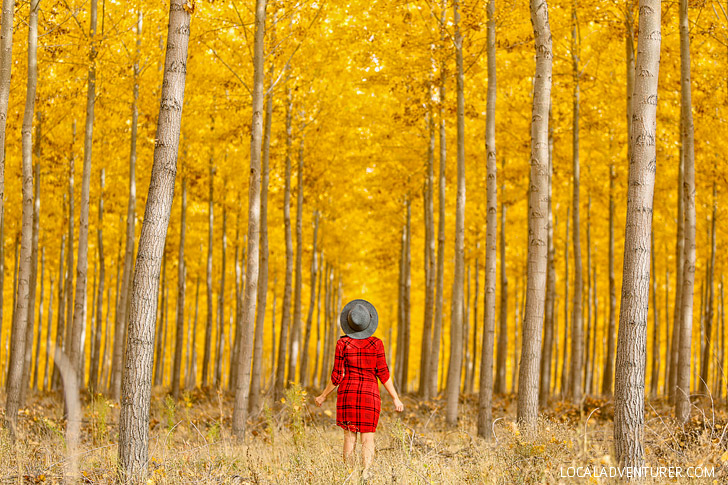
<point x="537" y="237"/>
<point x="577" y="324"/>
<point x="181" y="286"/>
<point x="319" y="333"/>
<point x="608" y="376"/>
<point x="137" y="378"/>
<point x="456" y="320"/>
<point x="485" y="398"/>
<point x="680" y="263"/>
<point x="280" y="383"/>
<point x="46" y="377"/>
<point x="36" y="360"/>
<point x="312" y="301"/>
<point x="257" y="369"/>
<point x="682" y="392"/>
<point x="6" y="65"/>
<point x="60" y="322"/>
<point x="564" y="369"/>
<point x="705" y="361"/>
<point x="20" y="321"/>
<point x="122" y="307"/>
<point x="548" y="331"/>
<point x="655" y="327"/>
<point x="629" y="391"/>
<point x="434" y="364"/>
<point x="219" y="345"/>
<point x="93" y="378"/>
<point x="589" y="291"/>
<point x="161" y="314"/>
<point x="242" y="386"/>
<point x="191" y="377"/>
<point x="207" y="353"/>
<point x="69" y="254"/>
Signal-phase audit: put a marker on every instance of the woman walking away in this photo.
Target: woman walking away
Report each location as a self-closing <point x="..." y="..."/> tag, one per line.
<point x="358" y="362"/>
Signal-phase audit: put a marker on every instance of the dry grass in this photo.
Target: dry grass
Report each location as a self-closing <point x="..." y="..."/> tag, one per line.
<point x="296" y="443"/>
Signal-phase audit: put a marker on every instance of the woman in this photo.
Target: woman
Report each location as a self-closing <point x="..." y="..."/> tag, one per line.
<point x="358" y="362"/>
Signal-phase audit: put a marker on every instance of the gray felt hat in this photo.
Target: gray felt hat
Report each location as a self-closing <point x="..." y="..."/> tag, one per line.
<point x="359" y="319"/>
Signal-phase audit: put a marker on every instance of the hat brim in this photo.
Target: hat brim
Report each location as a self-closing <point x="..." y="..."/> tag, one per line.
<point x="362" y="334"/>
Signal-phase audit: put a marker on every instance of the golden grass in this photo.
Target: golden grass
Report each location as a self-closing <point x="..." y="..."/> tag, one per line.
<point x="296" y="443"/>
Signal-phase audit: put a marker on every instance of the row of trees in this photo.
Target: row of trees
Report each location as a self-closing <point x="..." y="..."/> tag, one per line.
<point x="127" y="355"/>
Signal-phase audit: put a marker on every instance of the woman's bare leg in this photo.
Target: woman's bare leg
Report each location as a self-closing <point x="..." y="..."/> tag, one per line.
<point x="367" y="451"/>
<point x="349" y="444"/>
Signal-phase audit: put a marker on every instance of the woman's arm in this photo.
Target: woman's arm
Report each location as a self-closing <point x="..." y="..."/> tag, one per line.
<point x="398" y="406"/>
<point x="320" y="399"/>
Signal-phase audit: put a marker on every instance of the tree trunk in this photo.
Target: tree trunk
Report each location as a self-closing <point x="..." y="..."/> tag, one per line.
<point x="181" y="286"/>
<point x="33" y="283"/>
<point x="36" y="360"/>
<point x="2" y="264"/>
<point x="93" y="378"/>
<point x="76" y="354"/>
<point x="595" y="312"/>
<point x="257" y="370"/>
<point x="589" y="290"/>
<point x="242" y="386"/>
<point x="295" y="343"/>
<point x="20" y="321"/>
<point x="577" y="324"/>
<point x="122" y="306"/>
<point x="160" y="308"/>
<point x="456" y="319"/>
<point x="629" y="382"/>
<point x="406" y="304"/>
<point x="6" y="65"/>
<point x="705" y="361"/>
<point x="564" y="370"/>
<point x="548" y="331"/>
<point x="207" y="354"/>
<point x="434" y="365"/>
<point x="655" y="328"/>
<point x="429" y="256"/>
<point x="538" y="208"/>
<point x="682" y="393"/>
<point x="137" y="378"/>
<point x="399" y="358"/>
<point x="46" y="369"/>
<point x="69" y="265"/>
<point x="466" y="328"/>
<point x="286" y="313"/>
<point x="485" y="397"/>
<point x="500" y="378"/>
<point x="60" y="321"/>
<point x="473" y="360"/>
<point x="608" y="376"/>
<point x="191" y="377"/>
<point x="219" y="345"/>
<point x="319" y="333"/>
<point x="312" y="301"/>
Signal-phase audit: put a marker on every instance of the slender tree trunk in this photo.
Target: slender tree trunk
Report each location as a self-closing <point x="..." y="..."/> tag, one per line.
<point x="682" y="393"/>
<point x="564" y="369"/>
<point x="466" y="329"/>
<point x="668" y="364"/>
<point x="655" y="327"/>
<point x="429" y="256"/>
<point x="399" y="359"/>
<point x="406" y="300"/>
<point x="520" y="307"/>
<point x="2" y="264"/>
<point x="705" y="361"/>
<point x="538" y="237"/>
<point x="434" y="364"/>
<point x="680" y="266"/>
<point x="219" y="345"/>
<point x="295" y="342"/>
<point x="242" y="386"/>
<point x="608" y="376"/>
<point x="60" y="322"/>
<point x="577" y="324"/>
<point x="257" y="369"/>
<point x="93" y="378"/>
<point x="36" y="360"/>
<point x="595" y="303"/>
<point x="15" y="293"/>
<point x="548" y="331"/>
<point x="286" y="313"/>
<point x="312" y="301"/>
<point x="473" y="360"/>
<point x="500" y="378"/>
<point x="69" y="265"/>
<point x="191" y="378"/>
<point x="33" y="284"/>
<point x="160" y="308"/>
<point x="122" y="307"/>
<point x="485" y="398"/>
<point x="589" y="290"/>
<point x="181" y="285"/>
<point x="207" y="355"/>
<point x="632" y="337"/>
<point x="20" y="321"/>
<point x="49" y="329"/>
<point x="76" y="354"/>
<point x="456" y="320"/>
<point x="319" y="333"/>
<point x="137" y="378"/>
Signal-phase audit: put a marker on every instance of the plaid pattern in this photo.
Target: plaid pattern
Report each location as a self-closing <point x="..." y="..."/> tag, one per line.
<point x="357" y="365"/>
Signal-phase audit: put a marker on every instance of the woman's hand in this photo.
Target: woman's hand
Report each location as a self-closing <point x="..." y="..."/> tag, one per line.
<point x="320" y="400"/>
<point x="398" y="406"/>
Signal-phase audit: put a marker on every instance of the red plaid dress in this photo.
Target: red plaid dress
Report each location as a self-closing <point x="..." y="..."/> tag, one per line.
<point x="357" y="365"/>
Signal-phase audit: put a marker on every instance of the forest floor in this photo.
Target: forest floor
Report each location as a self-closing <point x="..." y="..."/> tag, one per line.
<point x="295" y="442"/>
